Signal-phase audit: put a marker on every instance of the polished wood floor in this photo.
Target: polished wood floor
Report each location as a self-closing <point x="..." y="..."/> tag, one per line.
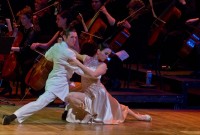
<point x="48" y="121"/>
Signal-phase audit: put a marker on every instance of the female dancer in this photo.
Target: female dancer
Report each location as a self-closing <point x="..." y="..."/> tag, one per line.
<point x="95" y="104"/>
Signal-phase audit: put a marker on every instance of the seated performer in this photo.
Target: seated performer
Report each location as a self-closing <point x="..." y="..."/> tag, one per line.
<point x="25" y="35"/>
<point x="95" y="104"/>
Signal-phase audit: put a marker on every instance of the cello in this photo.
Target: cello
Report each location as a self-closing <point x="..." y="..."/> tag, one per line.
<point x="10" y="63"/>
<point x="158" y="25"/>
<point x="38" y="74"/>
<point x="119" y="37"/>
<point x="94" y="32"/>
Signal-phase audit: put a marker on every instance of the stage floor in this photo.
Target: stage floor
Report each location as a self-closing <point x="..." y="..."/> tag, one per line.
<point x="48" y="121"/>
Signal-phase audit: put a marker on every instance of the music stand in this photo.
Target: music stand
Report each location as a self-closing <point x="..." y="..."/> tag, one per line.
<point x="6" y="44"/>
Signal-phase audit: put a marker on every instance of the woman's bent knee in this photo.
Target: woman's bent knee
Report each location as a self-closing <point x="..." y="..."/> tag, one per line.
<point x="69" y="97"/>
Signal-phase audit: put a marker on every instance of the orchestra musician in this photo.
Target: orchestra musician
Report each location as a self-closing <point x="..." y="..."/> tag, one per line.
<point x="99" y="23"/>
<point x="185" y="26"/>
<point x="44" y="20"/>
<point x="176" y="32"/>
<point x="133" y="32"/>
<point x="24" y="55"/>
<point x="99" y="5"/>
<point x="136" y="44"/>
<point x="63" y="20"/>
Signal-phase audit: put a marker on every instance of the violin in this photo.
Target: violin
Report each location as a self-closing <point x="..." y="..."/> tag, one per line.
<point x="45" y="9"/>
<point x="40" y="13"/>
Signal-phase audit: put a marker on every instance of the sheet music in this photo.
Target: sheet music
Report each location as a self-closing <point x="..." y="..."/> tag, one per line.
<point x="122" y="55"/>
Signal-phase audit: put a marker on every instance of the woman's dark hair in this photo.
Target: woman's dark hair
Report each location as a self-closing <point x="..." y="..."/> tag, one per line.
<point x="89" y="48"/>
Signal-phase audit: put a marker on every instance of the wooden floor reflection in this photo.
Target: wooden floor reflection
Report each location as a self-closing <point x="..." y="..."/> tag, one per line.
<point x="48" y="121"/>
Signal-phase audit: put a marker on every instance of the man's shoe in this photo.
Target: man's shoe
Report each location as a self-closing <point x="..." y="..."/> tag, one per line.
<point x="7" y="119"/>
<point x="64" y="115"/>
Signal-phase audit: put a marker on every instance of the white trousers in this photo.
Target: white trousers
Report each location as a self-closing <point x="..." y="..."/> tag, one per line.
<point x="29" y="109"/>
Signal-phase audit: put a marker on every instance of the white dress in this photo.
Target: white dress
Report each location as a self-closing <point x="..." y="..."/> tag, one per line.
<point x="98" y="102"/>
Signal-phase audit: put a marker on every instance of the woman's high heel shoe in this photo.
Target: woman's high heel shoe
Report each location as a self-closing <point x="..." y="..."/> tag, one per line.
<point x="144" y="117"/>
<point x="87" y="119"/>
